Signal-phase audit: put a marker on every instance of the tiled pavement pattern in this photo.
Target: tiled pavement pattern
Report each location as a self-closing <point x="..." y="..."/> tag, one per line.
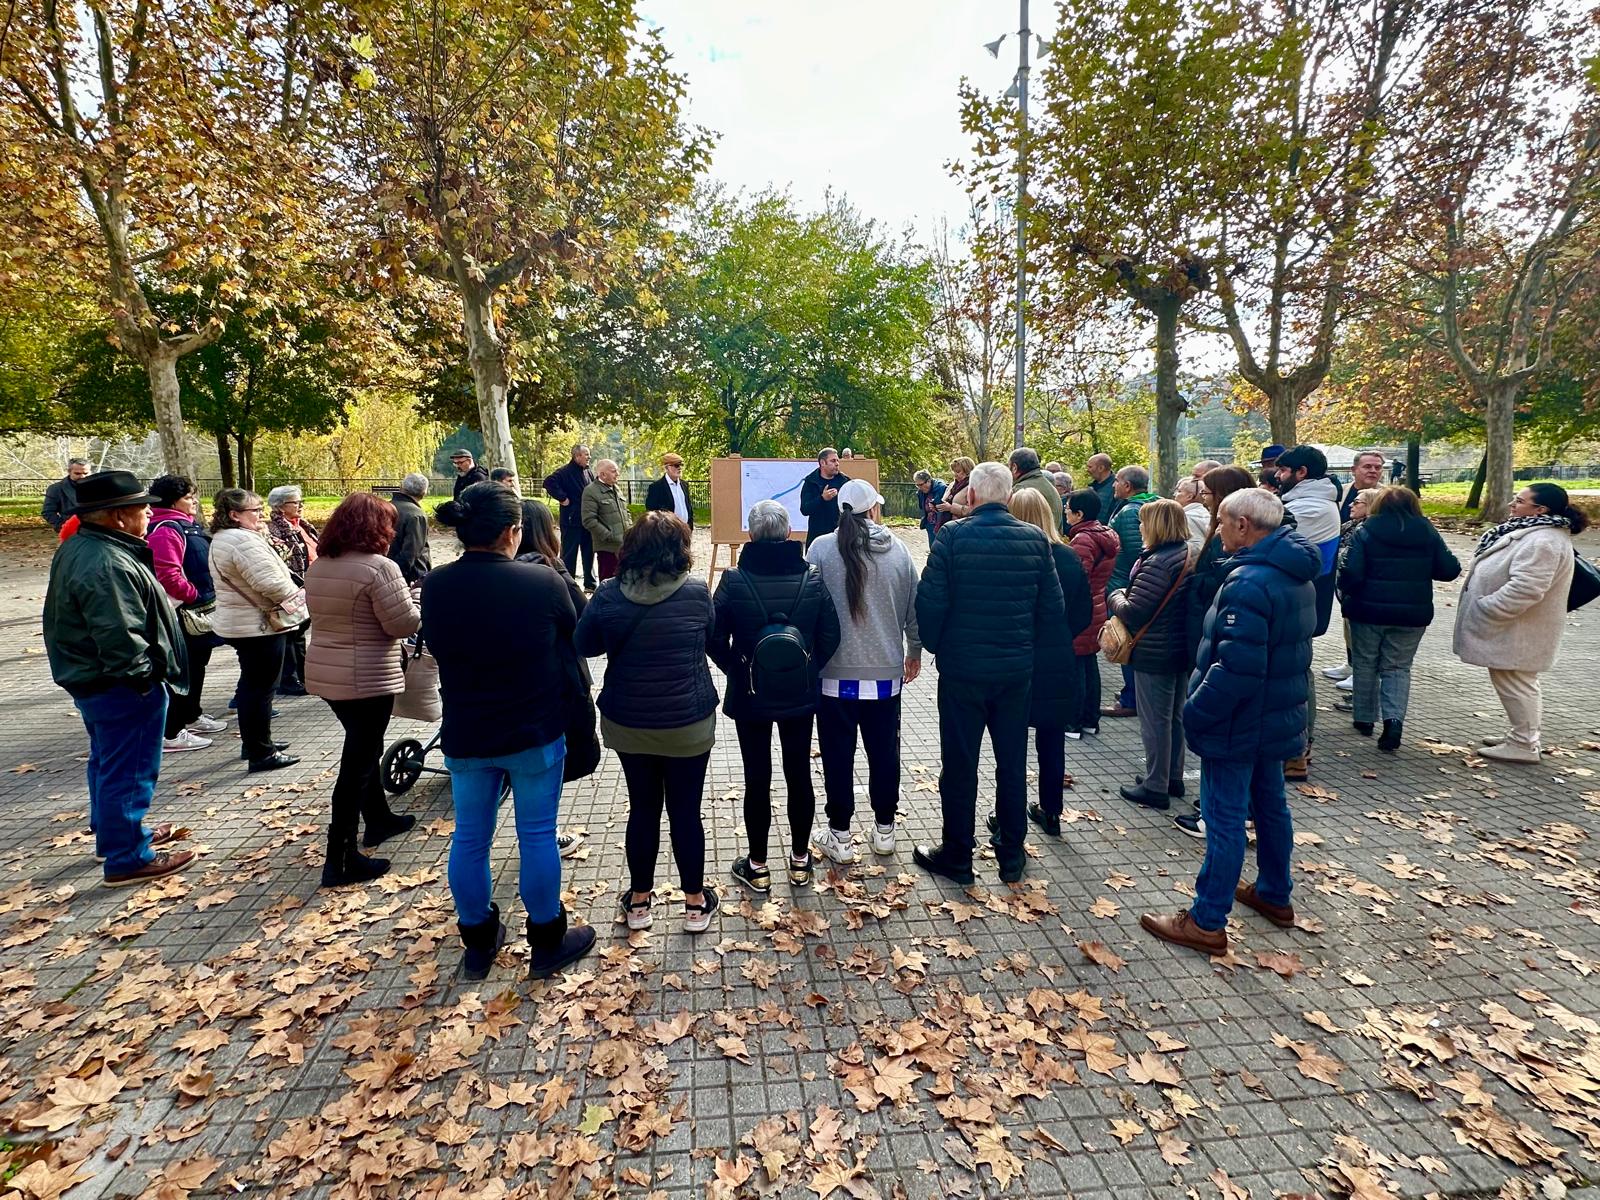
<point x="236" y="1030"/>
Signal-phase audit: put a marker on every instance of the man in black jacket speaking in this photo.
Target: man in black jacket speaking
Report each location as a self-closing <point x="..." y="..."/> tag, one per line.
<point x="819" y="495"/>
<point x="565" y="485"/>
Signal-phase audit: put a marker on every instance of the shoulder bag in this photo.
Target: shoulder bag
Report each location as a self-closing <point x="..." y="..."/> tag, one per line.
<point x="1585" y="582"/>
<point x="420" y="701"/>
<point x="1117" y="644"/>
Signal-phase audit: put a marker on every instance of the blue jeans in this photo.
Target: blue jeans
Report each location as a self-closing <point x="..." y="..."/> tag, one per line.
<point x="1127" y="697"/>
<point x="1380" y="659"/>
<point x="475" y="786"/>
<point x="125" y="731"/>
<point x="1230" y="791"/>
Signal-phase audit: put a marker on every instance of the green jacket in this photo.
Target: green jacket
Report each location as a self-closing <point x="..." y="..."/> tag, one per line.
<point x="604" y="516"/>
<point x="1037" y="481"/>
<point x="1126" y="526"/>
<point x="107" y="623"/>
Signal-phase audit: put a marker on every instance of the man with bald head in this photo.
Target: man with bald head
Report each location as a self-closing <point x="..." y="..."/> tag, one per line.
<point x="1204" y="465"/>
<point x="1102" y="481"/>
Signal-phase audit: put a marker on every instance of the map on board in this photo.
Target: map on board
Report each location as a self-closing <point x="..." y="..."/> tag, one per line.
<point x="774" y="479"/>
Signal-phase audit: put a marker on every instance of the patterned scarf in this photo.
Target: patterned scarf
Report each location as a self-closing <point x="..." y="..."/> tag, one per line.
<point x="1516" y="523"/>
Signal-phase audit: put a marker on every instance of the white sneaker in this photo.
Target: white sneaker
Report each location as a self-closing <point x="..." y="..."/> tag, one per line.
<point x="1342" y="671"/>
<point x="207" y="725"/>
<point x="1346" y="685"/>
<point x="882" y="839"/>
<point x="184" y="741"/>
<point x="835" y="845"/>
<point x="568" y="844"/>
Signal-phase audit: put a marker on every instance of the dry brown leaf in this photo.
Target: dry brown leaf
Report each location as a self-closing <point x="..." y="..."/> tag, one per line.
<point x="1126" y="1131"/>
<point x="1099" y="952"/>
<point x="1104" y="907"/>
<point x="1150" y="1067"/>
<point x="1174" y="1150"/>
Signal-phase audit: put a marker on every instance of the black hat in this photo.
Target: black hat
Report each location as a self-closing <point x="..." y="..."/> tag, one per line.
<point x="461" y="454"/>
<point x="111" y="489"/>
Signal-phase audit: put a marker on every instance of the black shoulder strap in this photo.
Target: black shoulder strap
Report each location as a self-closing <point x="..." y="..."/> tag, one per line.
<point x="633" y="627"/>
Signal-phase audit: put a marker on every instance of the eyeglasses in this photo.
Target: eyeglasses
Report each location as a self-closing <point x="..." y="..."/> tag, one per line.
<point x="251" y="510"/>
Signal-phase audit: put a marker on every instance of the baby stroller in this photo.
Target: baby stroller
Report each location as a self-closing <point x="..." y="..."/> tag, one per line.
<point x="406" y="760"/>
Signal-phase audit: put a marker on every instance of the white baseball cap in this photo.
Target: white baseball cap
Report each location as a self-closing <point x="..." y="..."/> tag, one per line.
<point x="858" y="496"/>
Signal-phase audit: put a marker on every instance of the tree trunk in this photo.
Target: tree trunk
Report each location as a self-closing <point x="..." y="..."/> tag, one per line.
<point x="1414" y="465"/>
<point x="1283" y="412"/>
<point x="247" y="462"/>
<point x="486" y="356"/>
<point x="1169" y="405"/>
<point x="1500" y="410"/>
<point x="1475" y="493"/>
<point x="162" y="367"/>
<point x="225" y="460"/>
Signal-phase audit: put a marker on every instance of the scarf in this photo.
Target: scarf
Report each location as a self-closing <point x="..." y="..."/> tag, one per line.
<point x="1516" y="523"/>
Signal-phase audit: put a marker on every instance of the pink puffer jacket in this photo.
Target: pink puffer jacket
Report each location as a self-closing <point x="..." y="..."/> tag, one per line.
<point x="360" y="609"/>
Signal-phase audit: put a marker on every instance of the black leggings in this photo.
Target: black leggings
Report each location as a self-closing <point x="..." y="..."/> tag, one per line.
<point x="879" y="724"/>
<point x="655" y="780"/>
<point x="260" y="661"/>
<point x="1050" y="742"/>
<point x="755" y="747"/>
<point x="1089" y="679"/>
<point x="358" y="791"/>
<point x="185" y="710"/>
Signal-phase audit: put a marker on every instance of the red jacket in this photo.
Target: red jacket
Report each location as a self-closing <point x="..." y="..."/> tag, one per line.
<point x="1097" y="547"/>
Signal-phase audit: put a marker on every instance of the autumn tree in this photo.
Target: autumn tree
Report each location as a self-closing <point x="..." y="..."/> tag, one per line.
<point x="160" y="145"/>
<point x="512" y="151"/>
<point x="1500" y="194"/>
<point x="1133" y="161"/>
<point x="971" y="342"/>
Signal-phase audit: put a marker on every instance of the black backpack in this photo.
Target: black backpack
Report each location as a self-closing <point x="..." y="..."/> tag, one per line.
<point x="1585" y="582"/>
<point x="779" y="662"/>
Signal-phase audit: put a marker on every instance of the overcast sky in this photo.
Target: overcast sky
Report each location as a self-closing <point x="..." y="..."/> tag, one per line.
<point x="859" y="96"/>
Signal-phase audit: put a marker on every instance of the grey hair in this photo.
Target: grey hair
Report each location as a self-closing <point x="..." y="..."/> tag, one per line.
<point x="922" y="477"/>
<point x="580" y="448"/>
<point x="77" y="462"/>
<point x="285" y="494"/>
<point x="415" y="484"/>
<point x="1062" y="480"/>
<point x="1188" y="484"/>
<point x="990" y="482"/>
<point x="1024" y="459"/>
<point x="1137" y="478"/>
<point x="1257" y="505"/>
<point x="606" y="462"/>
<point x="769" y="521"/>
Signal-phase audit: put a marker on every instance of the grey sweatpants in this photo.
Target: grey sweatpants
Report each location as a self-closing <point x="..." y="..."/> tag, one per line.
<point x="1159" y="699"/>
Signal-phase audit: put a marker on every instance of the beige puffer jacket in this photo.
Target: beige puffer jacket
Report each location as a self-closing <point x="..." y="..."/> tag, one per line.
<point x="360" y="608"/>
<point x="251" y="581"/>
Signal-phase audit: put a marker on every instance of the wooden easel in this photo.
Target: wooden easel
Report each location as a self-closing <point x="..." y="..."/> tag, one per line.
<point x="733" y="559"/>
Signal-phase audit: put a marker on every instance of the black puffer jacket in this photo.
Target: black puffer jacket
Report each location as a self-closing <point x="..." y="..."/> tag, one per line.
<point x="1389" y="569"/>
<point x="1205" y="580"/>
<point x="655" y="636"/>
<point x="1163" y="649"/>
<point x="1009" y="596"/>
<point x="775" y="570"/>
<point x="1056" y="694"/>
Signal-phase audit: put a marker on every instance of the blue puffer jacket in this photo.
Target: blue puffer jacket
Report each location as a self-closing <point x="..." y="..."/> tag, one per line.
<point x="1247" y="696"/>
<point x="655" y="635"/>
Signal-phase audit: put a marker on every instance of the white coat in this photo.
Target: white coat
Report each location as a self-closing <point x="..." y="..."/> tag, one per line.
<point x="1513" y="602"/>
<point x="251" y="580"/>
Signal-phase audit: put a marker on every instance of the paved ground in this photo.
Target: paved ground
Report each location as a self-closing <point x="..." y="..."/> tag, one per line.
<point x="1430" y="1030"/>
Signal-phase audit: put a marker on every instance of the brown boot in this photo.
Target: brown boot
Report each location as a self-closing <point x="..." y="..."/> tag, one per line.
<point x="159" y="867"/>
<point x="1296" y="769"/>
<point x="1180" y="929"/>
<point x="1281" y="915"/>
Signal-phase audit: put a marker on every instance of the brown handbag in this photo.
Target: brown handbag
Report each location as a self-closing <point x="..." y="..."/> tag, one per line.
<point x="1117" y="644"/>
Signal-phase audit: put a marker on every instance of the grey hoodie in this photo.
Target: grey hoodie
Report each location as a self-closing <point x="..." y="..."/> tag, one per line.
<point x="877" y="646"/>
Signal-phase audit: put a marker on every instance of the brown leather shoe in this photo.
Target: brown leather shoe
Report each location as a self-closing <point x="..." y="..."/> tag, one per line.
<point x="1116" y="710"/>
<point x="1281" y="915"/>
<point x="1297" y="769"/>
<point x="1180" y="929"/>
<point x="159" y="836"/>
<point x="158" y="867"/>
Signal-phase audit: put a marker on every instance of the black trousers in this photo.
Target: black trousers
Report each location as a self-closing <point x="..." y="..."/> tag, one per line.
<point x="293" y="675"/>
<point x="576" y="540"/>
<point x="185" y="710"/>
<point x="1088" y="666"/>
<point x="260" y="664"/>
<point x="755" y="747"/>
<point x="878" y="722"/>
<point x="1050" y="744"/>
<point x="656" y="781"/>
<point x="966" y="709"/>
<point x="358" y="791"/>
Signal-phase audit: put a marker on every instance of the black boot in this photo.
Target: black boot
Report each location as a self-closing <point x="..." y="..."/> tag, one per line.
<point x="385" y="825"/>
<point x="346" y="864"/>
<point x="1389" y="739"/>
<point x="483" y="942"/>
<point x="553" y="945"/>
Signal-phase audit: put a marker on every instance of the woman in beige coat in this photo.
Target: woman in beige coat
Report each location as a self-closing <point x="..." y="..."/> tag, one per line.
<point x="1513" y="607"/>
<point x="360" y="609"/>
<point x="251" y="582"/>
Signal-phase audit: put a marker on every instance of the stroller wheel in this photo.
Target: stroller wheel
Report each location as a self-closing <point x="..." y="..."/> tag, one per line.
<point x="402" y="766"/>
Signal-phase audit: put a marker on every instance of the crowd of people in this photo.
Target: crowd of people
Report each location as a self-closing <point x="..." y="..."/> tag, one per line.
<point x="1209" y="601"/>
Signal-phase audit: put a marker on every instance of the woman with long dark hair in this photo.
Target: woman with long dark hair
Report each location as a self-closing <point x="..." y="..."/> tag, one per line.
<point x="870" y="574"/>
<point x="1513" y="607"/>
<point x="362" y="607"/>
<point x="658" y="707"/>
<point x="498" y="629"/>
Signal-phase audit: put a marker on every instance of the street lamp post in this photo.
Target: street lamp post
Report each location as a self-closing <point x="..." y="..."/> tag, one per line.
<point x="1022" y="237"/>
